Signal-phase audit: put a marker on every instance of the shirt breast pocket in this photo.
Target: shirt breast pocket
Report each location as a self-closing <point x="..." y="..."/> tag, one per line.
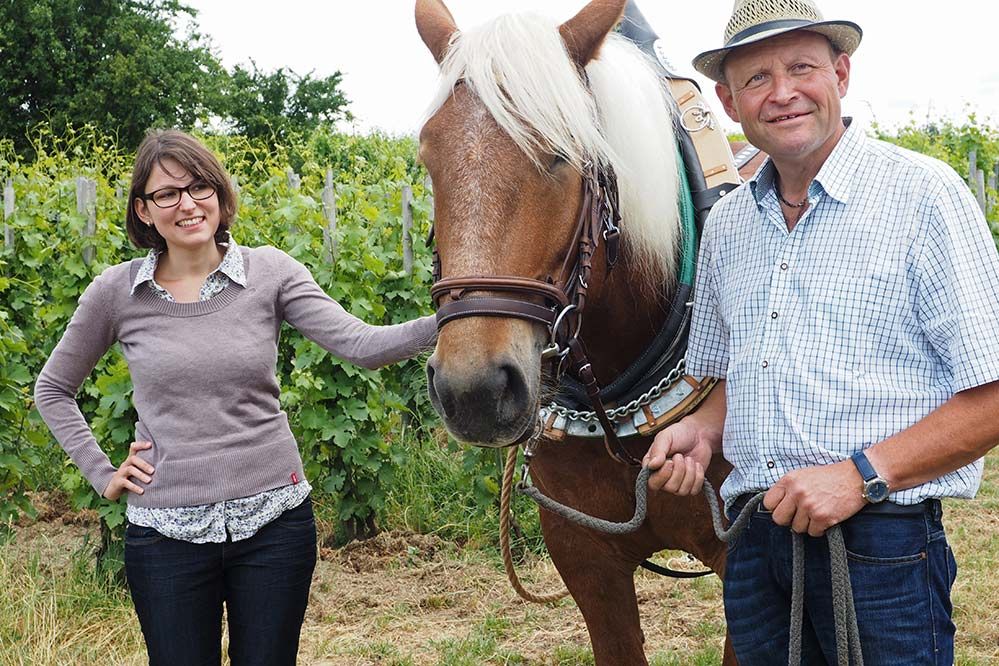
<point x="856" y="318"/>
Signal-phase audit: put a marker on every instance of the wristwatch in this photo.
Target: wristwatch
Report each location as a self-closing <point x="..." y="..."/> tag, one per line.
<point x="875" y="487"/>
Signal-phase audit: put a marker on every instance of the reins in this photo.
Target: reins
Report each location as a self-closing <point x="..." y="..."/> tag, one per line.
<point x="844" y="611"/>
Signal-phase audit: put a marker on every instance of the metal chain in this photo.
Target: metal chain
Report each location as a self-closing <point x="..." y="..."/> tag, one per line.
<point x="630" y="408"/>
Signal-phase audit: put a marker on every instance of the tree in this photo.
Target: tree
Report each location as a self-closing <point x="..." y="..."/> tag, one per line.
<point x="119" y="65"/>
<point x="273" y="105"/>
<point x="114" y="63"/>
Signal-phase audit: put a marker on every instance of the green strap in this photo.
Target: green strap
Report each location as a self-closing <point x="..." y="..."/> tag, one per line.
<point x="688" y="225"/>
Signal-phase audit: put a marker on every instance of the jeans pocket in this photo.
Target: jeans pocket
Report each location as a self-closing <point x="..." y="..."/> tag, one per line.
<point x="140" y="535"/>
<point x="900" y="591"/>
<point x="886" y="561"/>
<point x="298" y="517"/>
<point x="885" y="540"/>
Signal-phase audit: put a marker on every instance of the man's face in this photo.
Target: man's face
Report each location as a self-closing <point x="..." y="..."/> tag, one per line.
<point x="785" y="92"/>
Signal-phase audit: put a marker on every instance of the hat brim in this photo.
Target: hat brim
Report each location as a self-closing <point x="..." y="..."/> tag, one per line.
<point x="844" y="35"/>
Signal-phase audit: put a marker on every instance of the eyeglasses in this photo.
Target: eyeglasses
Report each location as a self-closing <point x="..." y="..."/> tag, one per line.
<point x="168" y="197"/>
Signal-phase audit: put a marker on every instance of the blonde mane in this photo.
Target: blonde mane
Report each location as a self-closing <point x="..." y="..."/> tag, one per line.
<point x="519" y="68"/>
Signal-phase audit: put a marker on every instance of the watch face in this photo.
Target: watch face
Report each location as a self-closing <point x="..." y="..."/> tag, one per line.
<point x="876" y="490"/>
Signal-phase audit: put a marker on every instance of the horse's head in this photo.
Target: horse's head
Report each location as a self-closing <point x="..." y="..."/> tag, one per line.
<point x="510" y="134"/>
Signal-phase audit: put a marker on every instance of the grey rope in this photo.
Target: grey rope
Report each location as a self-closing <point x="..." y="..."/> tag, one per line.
<point x="606" y="526"/>
<point x="844" y="611"/>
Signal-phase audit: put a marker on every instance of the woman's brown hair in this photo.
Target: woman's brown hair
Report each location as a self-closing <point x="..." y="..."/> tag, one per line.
<point x="197" y="160"/>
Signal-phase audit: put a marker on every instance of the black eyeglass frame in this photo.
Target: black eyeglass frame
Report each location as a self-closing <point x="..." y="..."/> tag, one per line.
<point x="150" y="196"/>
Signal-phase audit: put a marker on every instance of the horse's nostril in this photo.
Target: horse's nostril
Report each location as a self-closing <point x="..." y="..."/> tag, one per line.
<point x="440" y="395"/>
<point x="513" y="392"/>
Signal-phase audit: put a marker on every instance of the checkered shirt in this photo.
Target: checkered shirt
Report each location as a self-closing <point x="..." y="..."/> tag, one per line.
<point x="880" y="305"/>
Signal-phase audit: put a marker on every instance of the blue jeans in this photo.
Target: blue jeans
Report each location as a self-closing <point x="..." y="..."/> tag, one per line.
<point x="901" y="571"/>
<point x="178" y="589"/>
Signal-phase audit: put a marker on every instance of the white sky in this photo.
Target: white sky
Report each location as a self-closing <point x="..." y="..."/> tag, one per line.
<point x="926" y="59"/>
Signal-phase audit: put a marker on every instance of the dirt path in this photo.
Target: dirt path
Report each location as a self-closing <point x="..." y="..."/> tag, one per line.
<point x="410" y="597"/>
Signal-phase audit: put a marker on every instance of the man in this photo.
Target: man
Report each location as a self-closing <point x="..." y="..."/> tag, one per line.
<point x="848" y="298"/>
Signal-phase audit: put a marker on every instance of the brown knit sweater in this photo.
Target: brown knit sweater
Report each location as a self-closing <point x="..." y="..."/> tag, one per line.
<point x="204" y="376"/>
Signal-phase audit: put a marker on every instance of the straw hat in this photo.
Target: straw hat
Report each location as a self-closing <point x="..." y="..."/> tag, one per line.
<point x="756" y="20"/>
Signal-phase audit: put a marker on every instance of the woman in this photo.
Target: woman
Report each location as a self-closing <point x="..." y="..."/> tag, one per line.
<point x="218" y="505"/>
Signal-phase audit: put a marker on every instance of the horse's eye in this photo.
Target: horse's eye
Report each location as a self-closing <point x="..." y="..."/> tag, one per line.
<point x="557" y="161"/>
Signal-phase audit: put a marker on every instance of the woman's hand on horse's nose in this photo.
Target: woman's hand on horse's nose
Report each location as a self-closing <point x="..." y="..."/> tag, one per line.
<point x="680" y="457"/>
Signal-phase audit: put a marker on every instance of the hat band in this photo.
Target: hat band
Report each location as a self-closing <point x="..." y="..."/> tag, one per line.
<point x="766" y="27"/>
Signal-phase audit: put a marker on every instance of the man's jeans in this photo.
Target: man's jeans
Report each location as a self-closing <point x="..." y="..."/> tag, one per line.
<point x="178" y="589"/>
<point x="901" y="570"/>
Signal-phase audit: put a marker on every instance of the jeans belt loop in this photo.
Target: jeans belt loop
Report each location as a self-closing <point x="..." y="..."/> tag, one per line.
<point x="886" y="508"/>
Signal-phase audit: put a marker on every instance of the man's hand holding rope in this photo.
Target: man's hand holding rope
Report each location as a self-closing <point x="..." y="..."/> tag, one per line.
<point x="813" y="499"/>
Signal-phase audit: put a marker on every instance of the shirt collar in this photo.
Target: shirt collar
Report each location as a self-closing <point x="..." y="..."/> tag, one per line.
<point x="232" y="266"/>
<point x="835" y="177"/>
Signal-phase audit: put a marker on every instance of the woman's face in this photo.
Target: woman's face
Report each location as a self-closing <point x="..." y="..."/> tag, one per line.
<point x="189" y="223"/>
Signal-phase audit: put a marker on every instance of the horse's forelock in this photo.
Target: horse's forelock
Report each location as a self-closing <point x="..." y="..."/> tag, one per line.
<point x="517" y="65"/>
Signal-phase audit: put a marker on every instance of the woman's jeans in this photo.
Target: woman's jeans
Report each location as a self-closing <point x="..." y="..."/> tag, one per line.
<point x="179" y="587"/>
<point x="901" y="571"/>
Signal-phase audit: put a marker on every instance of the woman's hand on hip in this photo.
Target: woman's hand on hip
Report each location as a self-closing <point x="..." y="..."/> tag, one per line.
<point x="133" y="467"/>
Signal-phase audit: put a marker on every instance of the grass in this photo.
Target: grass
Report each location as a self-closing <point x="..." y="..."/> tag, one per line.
<point x="443" y="492"/>
<point x="430" y="590"/>
<point x="55" y="610"/>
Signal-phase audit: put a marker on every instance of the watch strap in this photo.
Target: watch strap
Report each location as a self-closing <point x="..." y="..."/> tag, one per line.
<point x="864" y="466"/>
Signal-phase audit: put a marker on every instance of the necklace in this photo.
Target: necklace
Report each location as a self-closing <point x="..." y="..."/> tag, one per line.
<point x="800" y="204"/>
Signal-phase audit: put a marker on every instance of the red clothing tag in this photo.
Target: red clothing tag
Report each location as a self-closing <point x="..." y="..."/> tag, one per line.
<point x="294" y="477"/>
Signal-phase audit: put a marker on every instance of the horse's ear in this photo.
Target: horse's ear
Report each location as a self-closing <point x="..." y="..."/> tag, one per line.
<point x="435" y="25"/>
<point x="585" y="32"/>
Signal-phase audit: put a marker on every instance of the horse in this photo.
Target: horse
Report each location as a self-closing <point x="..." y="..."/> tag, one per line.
<point x="526" y="112"/>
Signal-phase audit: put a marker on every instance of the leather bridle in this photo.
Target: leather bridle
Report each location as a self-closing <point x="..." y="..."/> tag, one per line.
<point x="557" y="303"/>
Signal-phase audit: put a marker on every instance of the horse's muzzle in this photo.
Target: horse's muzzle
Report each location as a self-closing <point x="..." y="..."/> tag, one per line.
<point x="486" y="405"/>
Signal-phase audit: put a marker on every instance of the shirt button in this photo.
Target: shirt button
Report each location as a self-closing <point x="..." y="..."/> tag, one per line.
<point x="783" y="266"/>
<point x="773" y="315"/>
<point x="771" y="464"/>
<point x="764" y="364"/>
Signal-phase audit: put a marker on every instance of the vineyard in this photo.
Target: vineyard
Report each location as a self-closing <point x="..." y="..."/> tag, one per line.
<point x="338" y="204"/>
<point x="348" y="207"/>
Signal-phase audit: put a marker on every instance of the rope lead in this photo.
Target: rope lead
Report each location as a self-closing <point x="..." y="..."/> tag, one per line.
<point x="844" y="611"/>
